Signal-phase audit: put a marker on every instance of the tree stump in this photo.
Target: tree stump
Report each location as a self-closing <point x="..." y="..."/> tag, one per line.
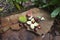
<point x="23" y="34"/>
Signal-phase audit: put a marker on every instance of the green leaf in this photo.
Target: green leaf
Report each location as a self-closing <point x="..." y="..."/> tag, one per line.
<point x="53" y="2"/>
<point x="1" y="9"/>
<point x="18" y="1"/>
<point x="10" y="2"/>
<point x="44" y="6"/>
<point x="22" y="19"/>
<point x="44" y="1"/>
<point x="17" y="6"/>
<point x="55" y="12"/>
<point x="25" y="0"/>
<point x="13" y="0"/>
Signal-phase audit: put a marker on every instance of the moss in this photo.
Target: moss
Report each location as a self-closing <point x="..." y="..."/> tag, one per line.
<point x="23" y="19"/>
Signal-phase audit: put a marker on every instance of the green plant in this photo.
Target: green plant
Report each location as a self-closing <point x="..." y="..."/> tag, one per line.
<point x="16" y="3"/>
<point x="1" y="9"/>
<point x="53" y="3"/>
<point x="48" y="3"/>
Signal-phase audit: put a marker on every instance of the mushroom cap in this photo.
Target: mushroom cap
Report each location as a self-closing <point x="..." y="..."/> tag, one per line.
<point x="42" y="18"/>
<point x="36" y="24"/>
<point x="30" y="17"/>
<point x="29" y="22"/>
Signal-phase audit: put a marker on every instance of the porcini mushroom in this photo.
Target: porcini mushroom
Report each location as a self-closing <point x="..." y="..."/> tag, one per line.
<point x="42" y="18"/>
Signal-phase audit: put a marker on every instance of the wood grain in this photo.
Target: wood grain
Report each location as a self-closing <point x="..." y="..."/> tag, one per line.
<point x="23" y="34"/>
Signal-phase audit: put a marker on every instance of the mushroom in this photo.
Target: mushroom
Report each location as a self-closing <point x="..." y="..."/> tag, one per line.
<point x="32" y="26"/>
<point x="36" y="24"/>
<point x="42" y="18"/>
<point x="32" y="20"/>
<point x="29" y="22"/>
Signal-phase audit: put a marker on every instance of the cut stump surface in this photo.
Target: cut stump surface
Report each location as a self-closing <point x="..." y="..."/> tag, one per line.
<point x="13" y="19"/>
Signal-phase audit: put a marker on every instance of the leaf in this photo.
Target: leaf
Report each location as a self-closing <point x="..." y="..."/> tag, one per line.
<point x="53" y="2"/>
<point x="11" y="3"/>
<point x="44" y="6"/>
<point x="17" y="6"/>
<point x="1" y="9"/>
<point x="22" y="19"/>
<point x="55" y="12"/>
<point x="44" y="1"/>
<point x="25" y="0"/>
<point x="13" y="0"/>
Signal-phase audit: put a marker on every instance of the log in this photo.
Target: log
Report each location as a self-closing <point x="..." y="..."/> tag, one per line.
<point x="13" y="20"/>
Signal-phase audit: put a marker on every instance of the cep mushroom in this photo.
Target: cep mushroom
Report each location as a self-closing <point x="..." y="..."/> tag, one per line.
<point x="33" y="24"/>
